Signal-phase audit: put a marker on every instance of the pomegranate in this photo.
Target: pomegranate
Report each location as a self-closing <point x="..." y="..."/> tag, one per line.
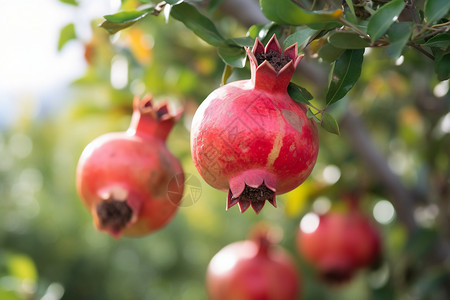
<point x="129" y="181"/>
<point x="338" y="244"/>
<point x="252" y="270"/>
<point x="250" y="138"/>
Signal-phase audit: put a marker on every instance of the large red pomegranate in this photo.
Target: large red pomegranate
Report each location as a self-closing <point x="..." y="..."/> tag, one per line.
<point x="250" y="138"/>
<point x="129" y="181"/>
<point x="252" y="270"/>
<point x="338" y="243"/>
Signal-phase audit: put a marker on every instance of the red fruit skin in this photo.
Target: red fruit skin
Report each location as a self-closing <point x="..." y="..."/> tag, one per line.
<point x="341" y="244"/>
<point x="135" y="165"/>
<point x="241" y="271"/>
<point x="251" y="132"/>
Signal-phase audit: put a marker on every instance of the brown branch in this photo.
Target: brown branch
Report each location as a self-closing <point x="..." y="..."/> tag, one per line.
<point x="421" y="50"/>
<point x="361" y="143"/>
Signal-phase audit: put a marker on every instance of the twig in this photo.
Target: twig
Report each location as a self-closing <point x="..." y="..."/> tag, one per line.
<point x="420" y="49"/>
<point x="346" y="23"/>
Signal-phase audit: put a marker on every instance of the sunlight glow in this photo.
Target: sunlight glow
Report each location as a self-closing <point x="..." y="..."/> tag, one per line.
<point x="384" y="212"/>
<point x="119" y="72"/>
<point x="331" y="174"/>
<point x="441" y="89"/>
<point x="309" y="223"/>
<point x="322" y="205"/>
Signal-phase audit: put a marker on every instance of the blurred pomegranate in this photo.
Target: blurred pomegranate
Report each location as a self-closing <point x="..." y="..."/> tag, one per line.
<point x="129" y="181"/>
<point x="253" y="269"/>
<point x="338" y="244"/>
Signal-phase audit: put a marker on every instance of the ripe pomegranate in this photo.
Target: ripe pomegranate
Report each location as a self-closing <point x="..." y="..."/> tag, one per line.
<point x="338" y="244"/>
<point x="129" y="181"/>
<point x="252" y="270"/>
<point x="250" y="138"/>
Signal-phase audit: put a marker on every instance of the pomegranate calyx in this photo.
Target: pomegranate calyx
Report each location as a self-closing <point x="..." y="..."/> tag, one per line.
<point x="149" y="119"/>
<point x="254" y="197"/>
<point x="114" y="216"/>
<point x="272" y="68"/>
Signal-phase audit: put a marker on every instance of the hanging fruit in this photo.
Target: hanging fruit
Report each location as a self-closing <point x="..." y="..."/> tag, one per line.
<point x="250" y="138"/>
<point x="129" y="181"/>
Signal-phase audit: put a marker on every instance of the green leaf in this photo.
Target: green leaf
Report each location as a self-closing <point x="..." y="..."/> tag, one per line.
<point x="67" y="33"/>
<point x="243" y="41"/>
<point x="213" y="4"/>
<point x="383" y="18"/>
<point x="325" y="25"/>
<point x="233" y="56"/>
<point x="70" y="2"/>
<point x="22" y="267"/>
<point x="441" y="41"/>
<point x="329" y="123"/>
<point x="299" y="93"/>
<point x="301" y="37"/>
<point x="121" y="20"/>
<point x="420" y="243"/>
<point x="398" y="36"/>
<point x="329" y="53"/>
<point x="203" y="27"/>
<point x="345" y="73"/>
<point x="435" y="10"/>
<point x="310" y="114"/>
<point x="442" y="66"/>
<point x="347" y="40"/>
<point x="173" y="2"/>
<point x="286" y="12"/>
<point x="350" y="5"/>
<point x="264" y="32"/>
<point x="226" y="73"/>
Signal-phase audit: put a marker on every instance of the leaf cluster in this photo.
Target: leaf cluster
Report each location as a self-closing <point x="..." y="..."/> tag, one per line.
<point x="338" y="36"/>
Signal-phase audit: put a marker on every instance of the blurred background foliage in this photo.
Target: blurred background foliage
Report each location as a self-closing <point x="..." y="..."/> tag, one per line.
<point x="49" y="248"/>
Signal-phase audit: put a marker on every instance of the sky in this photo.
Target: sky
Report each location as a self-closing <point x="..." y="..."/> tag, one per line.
<point x="31" y="68"/>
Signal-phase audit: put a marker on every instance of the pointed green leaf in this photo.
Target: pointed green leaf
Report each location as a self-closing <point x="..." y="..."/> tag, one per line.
<point x="173" y="2"/>
<point x="383" y="18"/>
<point x="67" y="33"/>
<point x="329" y="123"/>
<point x="70" y="2"/>
<point x="442" y="66"/>
<point x="121" y="20"/>
<point x="310" y="114"/>
<point x="435" y="10"/>
<point x="347" y="40"/>
<point x="345" y="74"/>
<point x="203" y="27"/>
<point x="299" y="93"/>
<point x="213" y="4"/>
<point x="226" y="74"/>
<point x="350" y="6"/>
<point x="286" y="12"/>
<point x="259" y="30"/>
<point x="329" y="53"/>
<point x="233" y="56"/>
<point x="243" y="41"/>
<point x="301" y="37"/>
<point x="398" y="36"/>
<point x="441" y="41"/>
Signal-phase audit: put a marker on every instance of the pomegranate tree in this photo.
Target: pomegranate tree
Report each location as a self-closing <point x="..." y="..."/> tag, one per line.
<point x="253" y="269"/>
<point x="250" y="138"/>
<point x="129" y="181"/>
<point x="338" y="244"/>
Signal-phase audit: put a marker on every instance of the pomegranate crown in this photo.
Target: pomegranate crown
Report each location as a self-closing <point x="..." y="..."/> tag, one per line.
<point x="271" y="67"/>
<point x="151" y="119"/>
